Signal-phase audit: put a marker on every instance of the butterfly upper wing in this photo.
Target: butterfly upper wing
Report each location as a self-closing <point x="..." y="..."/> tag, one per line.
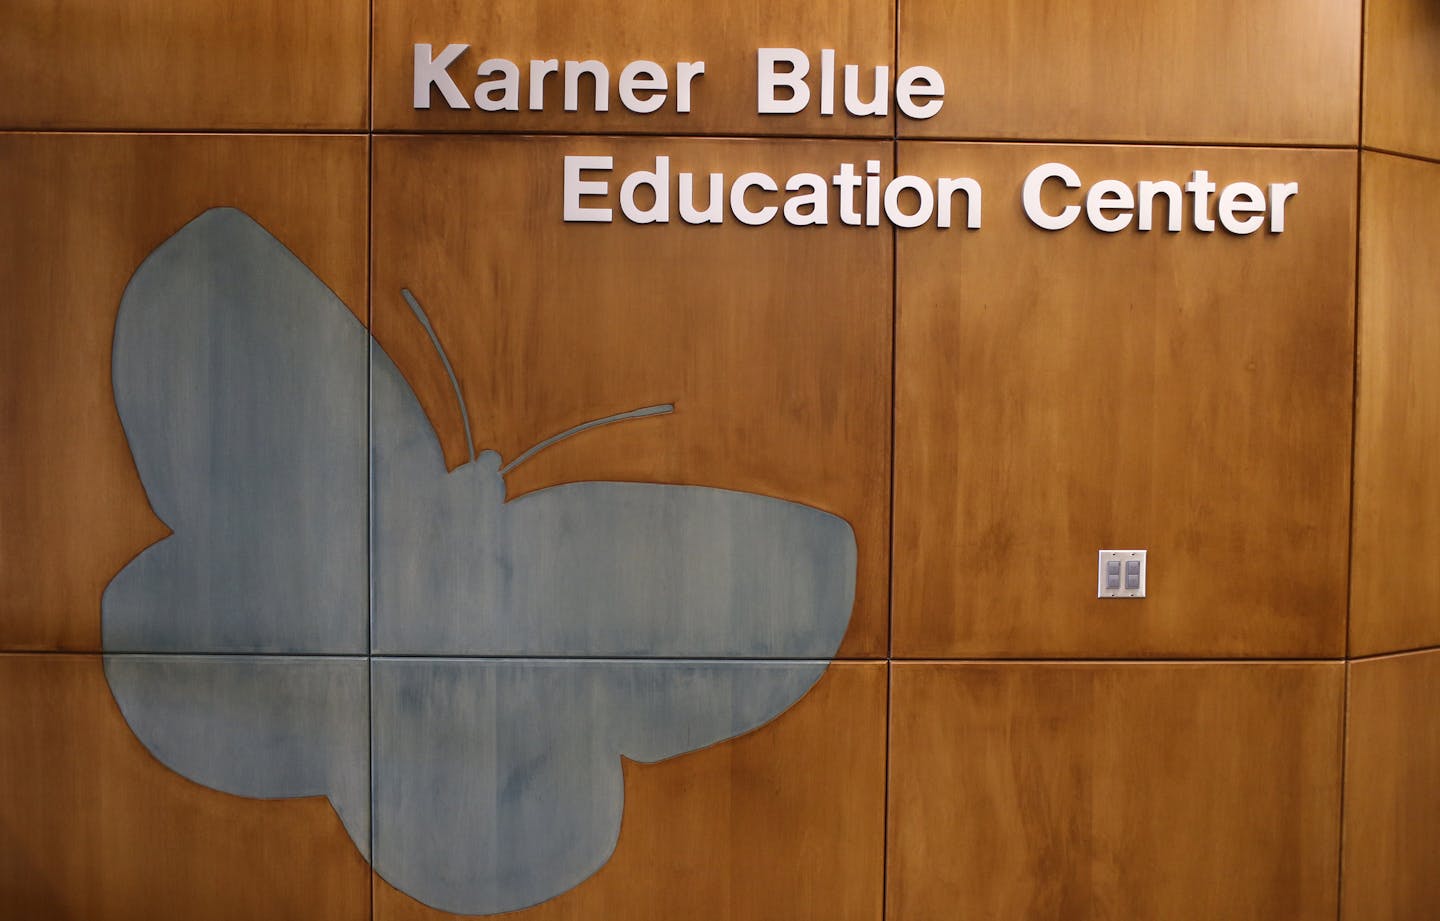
<point x="590" y="569"/>
<point x="241" y="384"/>
<point x="434" y="533"/>
<point x="617" y="569"/>
<point x="645" y="569"/>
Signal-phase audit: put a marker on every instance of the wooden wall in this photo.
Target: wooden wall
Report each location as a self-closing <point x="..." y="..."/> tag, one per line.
<point x="1259" y="738"/>
<point x="1392" y="803"/>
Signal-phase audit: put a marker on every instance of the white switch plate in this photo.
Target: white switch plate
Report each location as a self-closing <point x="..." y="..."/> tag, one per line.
<point x="1117" y="575"/>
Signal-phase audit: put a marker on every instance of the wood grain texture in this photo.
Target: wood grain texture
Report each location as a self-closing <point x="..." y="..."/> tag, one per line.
<point x="1219" y="71"/>
<point x="1059" y="393"/>
<point x="1402" y="76"/>
<point x="92" y="826"/>
<point x="1189" y="792"/>
<point x="1395" y="579"/>
<point x="723" y="35"/>
<point x="178" y="64"/>
<point x="1392" y="789"/>
<point x="773" y="343"/>
<point x="786" y="822"/>
<point x="82" y="213"/>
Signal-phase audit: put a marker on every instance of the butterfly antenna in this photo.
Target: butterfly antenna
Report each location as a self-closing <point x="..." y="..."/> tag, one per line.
<point x="641" y="413"/>
<point x="444" y="359"/>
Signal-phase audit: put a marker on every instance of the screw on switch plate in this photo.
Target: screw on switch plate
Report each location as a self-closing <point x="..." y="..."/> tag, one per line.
<point x="1122" y="574"/>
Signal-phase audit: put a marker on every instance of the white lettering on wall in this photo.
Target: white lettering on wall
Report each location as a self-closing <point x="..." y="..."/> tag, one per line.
<point x="782" y="87"/>
<point x="644" y="86"/>
<point x="430" y="70"/>
<point x="1053" y="195"/>
<point x="1111" y="205"/>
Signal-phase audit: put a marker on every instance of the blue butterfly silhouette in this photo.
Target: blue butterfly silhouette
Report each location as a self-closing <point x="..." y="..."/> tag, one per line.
<point x="335" y="614"/>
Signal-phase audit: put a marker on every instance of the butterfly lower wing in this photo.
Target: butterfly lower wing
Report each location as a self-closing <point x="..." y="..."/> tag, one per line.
<point x="259" y="726"/>
<point x="498" y="783"/>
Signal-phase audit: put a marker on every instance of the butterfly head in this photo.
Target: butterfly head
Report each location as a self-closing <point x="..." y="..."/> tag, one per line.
<point x="482" y="479"/>
<point x="488" y="463"/>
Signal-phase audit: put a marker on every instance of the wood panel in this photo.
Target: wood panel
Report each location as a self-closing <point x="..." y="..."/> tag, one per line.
<point x="82" y="213"/>
<point x="1190" y="792"/>
<point x="773" y="343"/>
<point x="1133" y="70"/>
<point x="92" y="826"/>
<point x="1392" y="797"/>
<point x="177" y="64"/>
<point x="1395" y="582"/>
<point x="1402" y="76"/>
<point x="1060" y="393"/>
<point x="725" y="36"/>
<point x="786" y="822"/>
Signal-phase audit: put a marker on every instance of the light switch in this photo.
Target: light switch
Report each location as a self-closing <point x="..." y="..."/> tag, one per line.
<point x="1132" y="574"/>
<point x="1122" y="574"/>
